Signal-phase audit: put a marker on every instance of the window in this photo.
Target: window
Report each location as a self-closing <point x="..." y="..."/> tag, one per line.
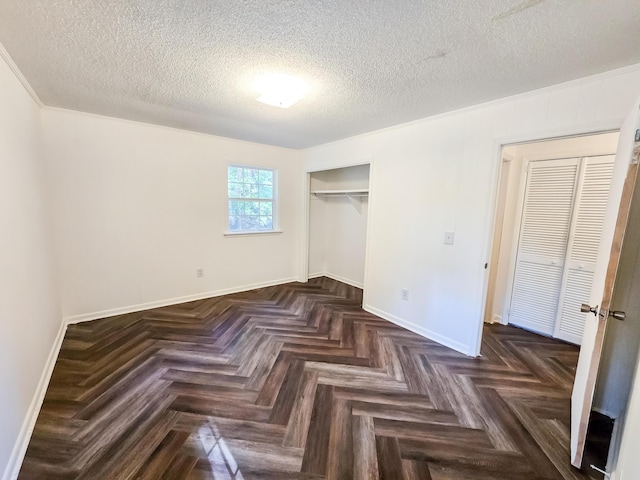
<point x="251" y="199"/>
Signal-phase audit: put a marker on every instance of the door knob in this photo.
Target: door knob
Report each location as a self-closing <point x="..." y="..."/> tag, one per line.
<point x="584" y="308"/>
<point x="618" y="315"/>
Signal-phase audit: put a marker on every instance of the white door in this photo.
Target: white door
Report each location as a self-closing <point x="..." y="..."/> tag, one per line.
<point x="592" y="192"/>
<point x="542" y="244"/>
<point x="563" y="216"/>
<point x="606" y="265"/>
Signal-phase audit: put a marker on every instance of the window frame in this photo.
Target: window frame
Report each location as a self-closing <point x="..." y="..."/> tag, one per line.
<point x="273" y="200"/>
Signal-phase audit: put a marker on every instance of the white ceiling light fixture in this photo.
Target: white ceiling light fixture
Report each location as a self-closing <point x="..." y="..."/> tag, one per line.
<point x="280" y="90"/>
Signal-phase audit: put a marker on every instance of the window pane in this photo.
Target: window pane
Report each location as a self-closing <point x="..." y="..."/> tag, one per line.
<point x="250" y="223"/>
<point x="266" y="223"/>
<point x="236" y="207"/>
<point x="235" y="190"/>
<point x="266" y="191"/>
<point x="251" y="208"/>
<point x="234" y="174"/>
<point x="251" y="175"/>
<point x="266" y="208"/>
<point x="234" y="223"/>
<point x="266" y="177"/>
<point x="249" y="185"/>
<point x="251" y="191"/>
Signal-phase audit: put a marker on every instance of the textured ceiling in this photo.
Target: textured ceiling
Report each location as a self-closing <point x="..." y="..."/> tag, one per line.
<point x="370" y="64"/>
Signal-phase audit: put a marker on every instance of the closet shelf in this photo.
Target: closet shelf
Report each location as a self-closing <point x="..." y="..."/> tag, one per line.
<point x="354" y="192"/>
<point x="354" y="195"/>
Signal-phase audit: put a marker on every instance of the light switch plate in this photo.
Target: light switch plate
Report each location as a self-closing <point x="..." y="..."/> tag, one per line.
<point x="448" y="238"/>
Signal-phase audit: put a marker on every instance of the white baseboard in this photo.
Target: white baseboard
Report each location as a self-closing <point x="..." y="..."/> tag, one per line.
<point x="86" y="317"/>
<point x="338" y="278"/>
<point x="22" y="442"/>
<point x="436" y="337"/>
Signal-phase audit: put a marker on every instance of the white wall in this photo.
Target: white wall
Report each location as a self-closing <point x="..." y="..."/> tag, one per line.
<point x="317" y="236"/>
<point x="346" y="239"/>
<point x="628" y="461"/>
<point x="439" y="174"/>
<point x="29" y="312"/>
<point x="139" y="207"/>
<point x="592" y="145"/>
<point x="338" y="231"/>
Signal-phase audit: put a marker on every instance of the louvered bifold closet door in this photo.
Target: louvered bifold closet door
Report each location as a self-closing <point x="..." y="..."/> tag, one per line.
<point x="542" y="244"/>
<point x="584" y="239"/>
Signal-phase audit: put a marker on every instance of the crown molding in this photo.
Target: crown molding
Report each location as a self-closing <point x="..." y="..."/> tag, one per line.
<point x="493" y="103"/>
<point x="23" y="80"/>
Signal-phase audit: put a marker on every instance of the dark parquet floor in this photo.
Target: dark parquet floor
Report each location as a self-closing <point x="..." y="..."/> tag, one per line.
<point x="298" y="382"/>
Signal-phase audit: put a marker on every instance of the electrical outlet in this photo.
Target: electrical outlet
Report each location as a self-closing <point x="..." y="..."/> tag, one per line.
<point x="405" y="294"/>
<point x="199" y="272"/>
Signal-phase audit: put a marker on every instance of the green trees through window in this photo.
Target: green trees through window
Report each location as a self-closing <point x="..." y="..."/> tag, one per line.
<point x="251" y="198"/>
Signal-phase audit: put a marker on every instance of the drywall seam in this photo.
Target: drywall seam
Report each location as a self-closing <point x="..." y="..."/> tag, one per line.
<point x="86" y="317"/>
<point x="22" y="442"/>
<point x="23" y="80"/>
<point x="423" y="332"/>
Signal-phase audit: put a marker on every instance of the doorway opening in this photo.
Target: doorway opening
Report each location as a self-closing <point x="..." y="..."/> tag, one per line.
<point x="551" y="201"/>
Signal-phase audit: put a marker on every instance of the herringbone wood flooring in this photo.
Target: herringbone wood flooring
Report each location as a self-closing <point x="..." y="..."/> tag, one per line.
<point x="297" y="381"/>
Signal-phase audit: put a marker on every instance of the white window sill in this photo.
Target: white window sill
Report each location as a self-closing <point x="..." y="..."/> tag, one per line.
<point x="248" y="234"/>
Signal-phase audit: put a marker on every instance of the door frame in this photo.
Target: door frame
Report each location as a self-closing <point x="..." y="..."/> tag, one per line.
<point x="498" y="144"/>
<point x="306" y="233"/>
<point x="501" y="205"/>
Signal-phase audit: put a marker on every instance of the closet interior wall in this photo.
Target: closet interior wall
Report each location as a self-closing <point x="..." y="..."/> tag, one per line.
<point x="338" y="224"/>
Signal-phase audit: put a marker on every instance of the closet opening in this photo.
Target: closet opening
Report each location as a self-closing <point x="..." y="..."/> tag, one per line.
<point x="338" y="217"/>
<point x="550" y="209"/>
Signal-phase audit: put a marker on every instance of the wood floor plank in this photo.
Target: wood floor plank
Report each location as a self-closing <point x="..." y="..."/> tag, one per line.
<point x="413" y="470"/>
<point x="340" y="460"/>
<point x="365" y="459"/>
<point x="389" y="458"/>
<point x="298" y="426"/>
<point x="316" y="450"/>
<point x="296" y="381"/>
